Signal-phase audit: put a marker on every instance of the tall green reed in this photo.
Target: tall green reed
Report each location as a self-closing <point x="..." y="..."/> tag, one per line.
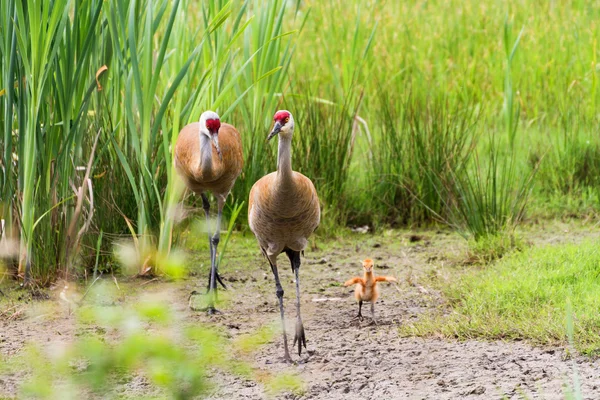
<point x="422" y="144"/>
<point x="324" y="146"/>
<point x="51" y="99"/>
<point x="572" y="159"/>
<point x="140" y="64"/>
<point x="47" y="82"/>
<point x="268" y="42"/>
<point x="220" y="81"/>
<point x="328" y="122"/>
<point x="489" y="198"/>
<point x="73" y="142"/>
<point x="8" y="82"/>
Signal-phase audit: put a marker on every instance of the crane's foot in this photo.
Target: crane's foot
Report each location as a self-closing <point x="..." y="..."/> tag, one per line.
<point x="373" y="320"/>
<point x="192" y="294"/>
<point x="210" y="309"/>
<point x="286" y="358"/>
<point x="359" y="317"/>
<point x="300" y="337"/>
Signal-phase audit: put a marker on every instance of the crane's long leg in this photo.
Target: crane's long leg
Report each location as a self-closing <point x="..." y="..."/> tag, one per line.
<point x="299" y="338"/>
<point x="359" y="316"/>
<point x="211" y="288"/>
<point x="206" y="207"/>
<point x="373" y="313"/>
<point x="279" y="293"/>
<point x="214" y="277"/>
<point x="212" y="240"/>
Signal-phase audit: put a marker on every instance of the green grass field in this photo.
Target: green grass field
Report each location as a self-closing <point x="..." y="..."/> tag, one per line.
<point x="528" y="295"/>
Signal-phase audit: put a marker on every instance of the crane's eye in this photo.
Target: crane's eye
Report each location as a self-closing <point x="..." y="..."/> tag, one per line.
<point x="287" y="119"/>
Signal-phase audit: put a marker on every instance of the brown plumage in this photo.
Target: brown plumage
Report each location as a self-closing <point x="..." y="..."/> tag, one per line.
<point x="283" y="214"/>
<point x="367" y="288"/>
<point x="283" y="211"/>
<point x="222" y="176"/>
<point x="208" y="157"/>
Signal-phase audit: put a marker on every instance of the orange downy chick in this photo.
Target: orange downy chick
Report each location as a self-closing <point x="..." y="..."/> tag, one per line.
<point x="366" y="287"/>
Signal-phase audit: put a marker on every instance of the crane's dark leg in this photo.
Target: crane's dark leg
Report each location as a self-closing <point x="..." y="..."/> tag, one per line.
<point x="213" y="241"/>
<point x="211" y="277"/>
<point x="279" y="293"/>
<point x="299" y="338"/>
<point x="215" y="277"/>
<point x="359" y="316"/>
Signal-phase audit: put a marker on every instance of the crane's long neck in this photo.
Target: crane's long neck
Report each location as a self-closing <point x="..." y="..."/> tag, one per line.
<point x="369" y="278"/>
<point x="284" y="160"/>
<point x="206" y="158"/>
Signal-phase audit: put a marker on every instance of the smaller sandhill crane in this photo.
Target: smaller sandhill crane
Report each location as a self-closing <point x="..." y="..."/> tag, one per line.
<point x="208" y="156"/>
<point x="366" y="287"/>
<point x="283" y="211"/>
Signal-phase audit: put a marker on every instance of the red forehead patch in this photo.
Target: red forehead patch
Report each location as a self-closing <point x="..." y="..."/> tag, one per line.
<point x="281" y="115"/>
<point x="213" y="125"/>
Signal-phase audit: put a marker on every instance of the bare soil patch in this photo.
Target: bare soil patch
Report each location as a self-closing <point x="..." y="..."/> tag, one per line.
<point x="347" y="359"/>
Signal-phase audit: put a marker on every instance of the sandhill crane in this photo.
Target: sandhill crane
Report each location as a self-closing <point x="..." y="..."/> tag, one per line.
<point x="367" y="288"/>
<point x="208" y="156"/>
<point x="283" y="211"/>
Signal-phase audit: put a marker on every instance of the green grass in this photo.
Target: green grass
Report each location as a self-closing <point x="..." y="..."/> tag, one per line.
<point x="457" y="51"/>
<point x="525" y="296"/>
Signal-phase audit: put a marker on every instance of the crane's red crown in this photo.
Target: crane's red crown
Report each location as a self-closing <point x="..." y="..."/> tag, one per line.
<point x="213" y="125"/>
<point x="281" y="116"/>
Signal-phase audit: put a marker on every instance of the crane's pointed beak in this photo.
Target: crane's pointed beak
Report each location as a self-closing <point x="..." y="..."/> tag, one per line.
<point x="215" y="139"/>
<point x="275" y="131"/>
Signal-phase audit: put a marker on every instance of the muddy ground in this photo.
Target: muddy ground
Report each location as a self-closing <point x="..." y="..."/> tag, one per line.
<point x="346" y="359"/>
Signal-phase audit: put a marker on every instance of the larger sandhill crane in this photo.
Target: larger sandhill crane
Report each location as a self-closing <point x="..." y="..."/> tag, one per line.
<point x="208" y="156"/>
<point x="283" y="212"/>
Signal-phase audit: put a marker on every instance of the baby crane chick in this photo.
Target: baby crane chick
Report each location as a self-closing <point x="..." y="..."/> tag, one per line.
<point x="366" y="287"/>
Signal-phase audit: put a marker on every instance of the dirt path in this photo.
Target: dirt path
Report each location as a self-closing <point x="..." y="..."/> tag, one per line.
<point x="356" y="359"/>
<point x="362" y="361"/>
